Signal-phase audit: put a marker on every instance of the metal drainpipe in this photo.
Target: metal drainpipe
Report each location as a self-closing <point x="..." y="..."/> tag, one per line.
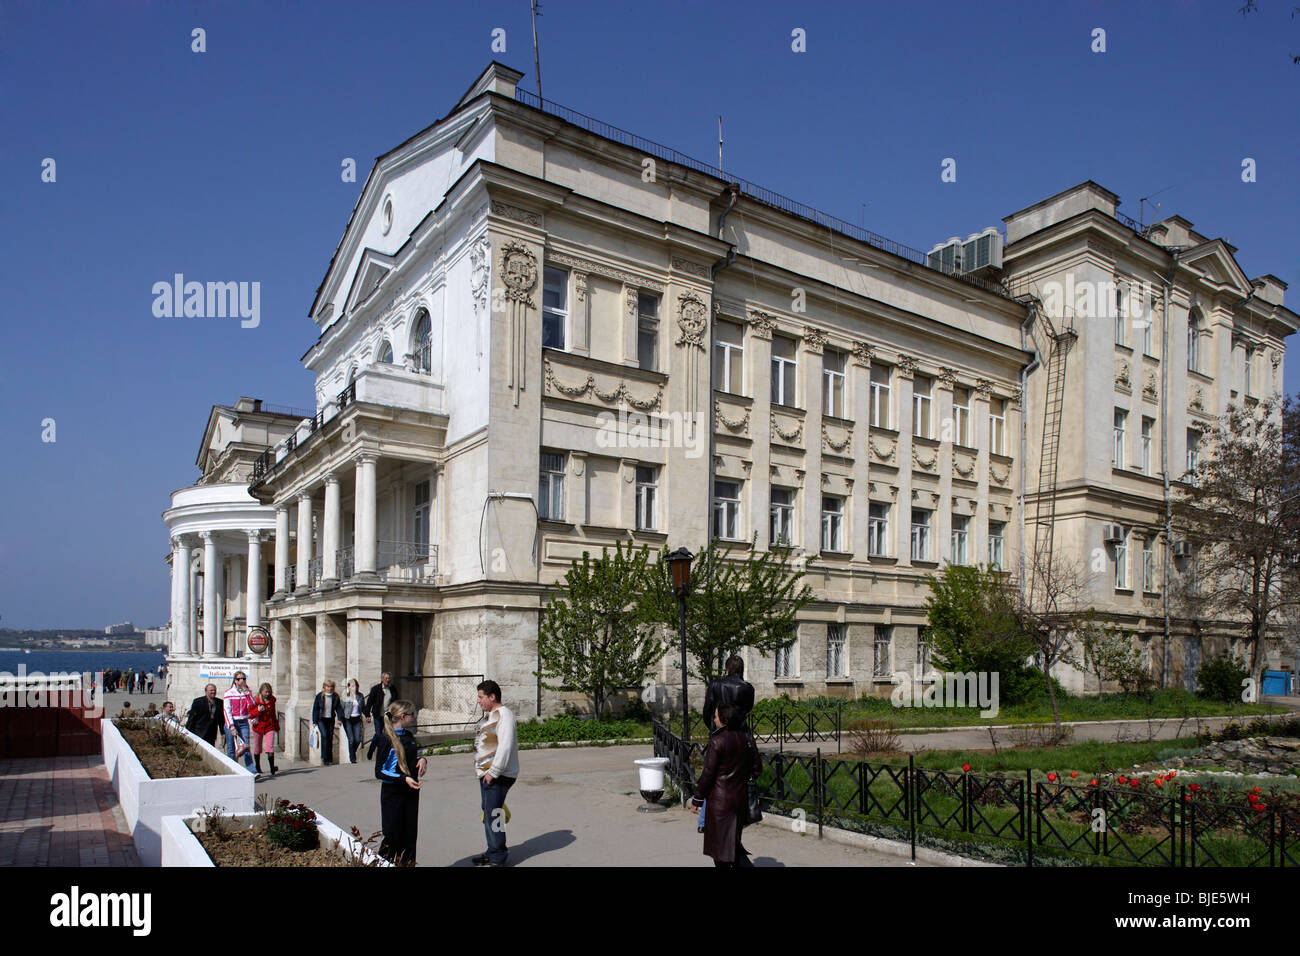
<point x="1164" y="462"/>
<point x="734" y="190"/>
<point x="1034" y="363"/>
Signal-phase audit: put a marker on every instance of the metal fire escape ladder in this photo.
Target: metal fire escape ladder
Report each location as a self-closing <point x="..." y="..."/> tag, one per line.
<point x="1058" y="344"/>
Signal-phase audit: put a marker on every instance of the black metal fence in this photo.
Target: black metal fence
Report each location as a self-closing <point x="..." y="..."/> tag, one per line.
<point x="1030" y="821"/>
<point x="783" y="727"/>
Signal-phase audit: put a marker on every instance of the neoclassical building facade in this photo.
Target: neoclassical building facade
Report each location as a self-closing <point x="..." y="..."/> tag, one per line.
<point x="540" y="335"/>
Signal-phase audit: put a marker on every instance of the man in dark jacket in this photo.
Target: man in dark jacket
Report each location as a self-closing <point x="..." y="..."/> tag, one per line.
<point x="733" y="689"/>
<point x="207" y="715"/>
<point x="377" y="701"/>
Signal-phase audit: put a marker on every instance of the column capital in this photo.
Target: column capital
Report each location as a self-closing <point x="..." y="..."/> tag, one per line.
<point x="282" y="508"/>
<point x="304" y="496"/>
<point x="366" y="458"/>
<point x="332" y="479"/>
<point x="178" y="542"/>
<point x="209" y="537"/>
<point x="256" y="536"/>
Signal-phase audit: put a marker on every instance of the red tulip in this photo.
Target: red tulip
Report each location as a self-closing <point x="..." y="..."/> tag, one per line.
<point x="1252" y="798"/>
<point x="965" y="768"/>
<point x="1122" y="779"/>
<point x="1051" y="777"/>
<point x="1194" y="787"/>
<point x="1092" y="782"/>
<point x="1172" y="772"/>
<point x="1186" y="798"/>
<point x="1160" y="781"/>
<point x="1133" y="782"/>
<point x="1257" y="790"/>
<point x="1074" y="773"/>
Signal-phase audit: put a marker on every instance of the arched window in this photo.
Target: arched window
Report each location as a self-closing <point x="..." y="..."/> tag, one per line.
<point x="1194" y="340"/>
<point x="385" y="353"/>
<point x="422" y="342"/>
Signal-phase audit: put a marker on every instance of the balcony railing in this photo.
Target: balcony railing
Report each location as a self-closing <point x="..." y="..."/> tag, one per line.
<point x="265" y="463"/>
<point x="345" y="563"/>
<point x="313" y="573"/>
<point x="410" y="562"/>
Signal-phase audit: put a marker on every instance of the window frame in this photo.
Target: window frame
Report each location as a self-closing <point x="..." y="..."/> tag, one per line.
<point x="726" y="508"/>
<point x="961" y="417"/>
<point x="1119" y="451"/>
<point x="785" y="373"/>
<point x="880" y="393"/>
<point x="997" y="425"/>
<point x="1149" y="563"/>
<point x="726" y="352"/>
<point x="883" y="638"/>
<point x="551" y="313"/>
<point x="837" y="644"/>
<point x="878" y="524"/>
<point x="923" y="407"/>
<point x="647" y="325"/>
<point x="834" y="383"/>
<point x="1121" y="564"/>
<point x="997" y="555"/>
<point x="921" y="534"/>
<point x="960" y="536"/>
<point x="833" y="522"/>
<point x="785" y="511"/>
<point x="647" y="498"/>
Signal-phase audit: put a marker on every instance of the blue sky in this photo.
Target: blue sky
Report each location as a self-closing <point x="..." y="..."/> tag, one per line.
<point x="225" y="165"/>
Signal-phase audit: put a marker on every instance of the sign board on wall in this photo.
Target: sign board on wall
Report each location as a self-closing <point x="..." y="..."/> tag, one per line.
<point x="213" y="670"/>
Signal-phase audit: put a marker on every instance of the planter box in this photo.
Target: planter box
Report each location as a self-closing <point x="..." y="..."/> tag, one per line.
<point x="180" y="847"/>
<point x="145" y="801"/>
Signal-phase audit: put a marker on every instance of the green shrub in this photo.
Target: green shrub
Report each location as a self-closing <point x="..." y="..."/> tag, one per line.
<point x="1221" y="677"/>
<point x="292" y="825"/>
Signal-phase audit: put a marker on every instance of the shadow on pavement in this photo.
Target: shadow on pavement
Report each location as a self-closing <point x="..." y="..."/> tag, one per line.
<point x="536" y="846"/>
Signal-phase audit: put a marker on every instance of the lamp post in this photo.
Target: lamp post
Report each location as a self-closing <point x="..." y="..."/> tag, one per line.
<point x="679" y="564"/>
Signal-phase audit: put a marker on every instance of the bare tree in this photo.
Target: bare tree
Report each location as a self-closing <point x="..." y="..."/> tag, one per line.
<point x="1053" y="611"/>
<point x="1240" y="514"/>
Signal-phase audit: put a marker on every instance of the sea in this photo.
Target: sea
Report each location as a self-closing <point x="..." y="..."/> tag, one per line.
<point x="76" y="662"/>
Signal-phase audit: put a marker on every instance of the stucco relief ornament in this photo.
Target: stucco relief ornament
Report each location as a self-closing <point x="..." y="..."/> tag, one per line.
<point x="919" y="458"/>
<point x="1001" y="478"/>
<point x="964" y="467"/>
<point x="834" y="445"/>
<point x="519" y="273"/>
<point x="692" y="319"/>
<point x="480" y="264"/>
<point x="908" y="364"/>
<point x="1275" y="358"/>
<point x="887" y="454"/>
<point x="1122" y="374"/>
<point x="791" y="436"/>
<point x="762" y="324"/>
<point x="1149" y="387"/>
<point x="731" y="424"/>
<point x="814" y="340"/>
<point x="862" y="354"/>
<point x="1016" y="396"/>
<point x="984" y="387"/>
<point x="1197" y="400"/>
<point x="948" y="376"/>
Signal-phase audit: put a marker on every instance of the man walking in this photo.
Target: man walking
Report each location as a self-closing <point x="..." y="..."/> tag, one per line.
<point x="733" y="689"/>
<point x="496" y="762"/>
<point x="207" y="715"/>
<point x="377" y="701"/>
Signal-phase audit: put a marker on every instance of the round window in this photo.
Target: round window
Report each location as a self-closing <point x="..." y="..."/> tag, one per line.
<point x="388" y="215"/>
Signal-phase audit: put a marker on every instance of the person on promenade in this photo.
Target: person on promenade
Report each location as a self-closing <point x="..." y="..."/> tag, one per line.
<point x="151" y="710"/>
<point x="730" y="762"/>
<point x="207" y="715"/>
<point x="496" y="762"/>
<point x="238" y="703"/>
<point x="126" y="710"/>
<point x="399" y="770"/>
<point x="381" y="696"/>
<point x="325" y="710"/>
<point x="354" y="715"/>
<point x="266" y="724"/>
<point x="168" y="710"/>
<point x="148" y="682"/>
<point x="731" y="688"/>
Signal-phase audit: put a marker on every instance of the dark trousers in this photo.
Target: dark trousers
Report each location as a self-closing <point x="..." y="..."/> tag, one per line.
<point x="379" y="732"/>
<point x="326" y="741"/>
<point x="399" y="811"/>
<point x="493" y="799"/>
<point x="352" y="727"/>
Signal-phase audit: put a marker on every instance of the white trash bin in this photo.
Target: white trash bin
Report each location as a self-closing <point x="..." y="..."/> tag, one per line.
<point x="651" y="770"/>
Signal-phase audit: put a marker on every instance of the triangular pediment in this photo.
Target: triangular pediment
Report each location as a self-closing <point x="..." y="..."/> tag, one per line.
<point x="1215" y="262"/>
<point x="371" y="272"/>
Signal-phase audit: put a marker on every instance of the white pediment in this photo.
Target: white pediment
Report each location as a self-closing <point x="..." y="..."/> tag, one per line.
<point x="1213" y="261"/>
<point x="371" y="272"/>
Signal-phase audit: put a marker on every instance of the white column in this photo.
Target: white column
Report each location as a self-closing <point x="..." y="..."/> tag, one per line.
<point x="329" y="567"/>
<point x="184" y="599"/>
<point x="253" y="596"/>
<point x="367" y="547"/>
<point x="304" y="541"/>
<point x="211" y="571"/>
<point x="175" y="596"/>
<point x="281" y="549"/>
<point x="195" y="641"/>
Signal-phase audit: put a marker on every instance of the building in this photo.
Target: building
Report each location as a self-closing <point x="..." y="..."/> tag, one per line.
<point x="540" y="335"/>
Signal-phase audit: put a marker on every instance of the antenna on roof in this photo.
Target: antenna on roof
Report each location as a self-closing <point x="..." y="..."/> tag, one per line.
<point x="719" y="143"/>
<point x="537" y="60"/>
<point x="1155" y="206"/>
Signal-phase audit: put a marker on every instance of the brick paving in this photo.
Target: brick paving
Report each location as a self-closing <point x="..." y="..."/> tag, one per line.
<point x="61" y="811"/>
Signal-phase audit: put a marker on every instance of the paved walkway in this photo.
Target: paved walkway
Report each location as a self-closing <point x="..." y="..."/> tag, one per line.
<point x="61" y="811"/>
<point x="570" y="807"/>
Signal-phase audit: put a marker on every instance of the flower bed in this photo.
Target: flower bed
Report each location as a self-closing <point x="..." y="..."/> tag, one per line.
<point x="208" y="839"/>
<point x="146" y="800"/>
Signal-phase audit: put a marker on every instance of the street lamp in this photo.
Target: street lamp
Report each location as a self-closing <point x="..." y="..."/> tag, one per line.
<point x="679" y="565"/>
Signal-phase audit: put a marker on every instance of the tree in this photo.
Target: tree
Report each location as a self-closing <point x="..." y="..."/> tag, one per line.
<point x="1240" y="513"/>
<point x="595" y="634"/>
<point x="1109" y="653"/>
<point x="974" y="628"/>
<point x="752" y="602"/>
<point x="1052" y="613"/>
<point x="1248" y="7"/>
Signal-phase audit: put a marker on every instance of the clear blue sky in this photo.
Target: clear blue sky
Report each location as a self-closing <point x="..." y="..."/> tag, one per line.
<point x="225" y="166"/>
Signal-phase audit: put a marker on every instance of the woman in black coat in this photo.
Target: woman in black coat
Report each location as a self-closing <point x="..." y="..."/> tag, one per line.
<point x="326" y="710"/>
<point x="730" y="762"/>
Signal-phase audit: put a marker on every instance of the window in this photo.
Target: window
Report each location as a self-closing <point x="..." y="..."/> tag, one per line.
<point x="1148" y="331"/>
<point x="1148" y="564"/>
<point x="728" y="357"/>
<point x="1193" y="453"/>
<point x="555" y="307"/>
<point x="836" y="658"/>
<point x="961" y="416"/>
<point x="422" y="343"/>
<point x="960" y="527"/>
<point x="997" y="530"/>
<point x="832" y="523"/>
<point x="647" y="333"/>
<point x="647" y="494"/>
<point x="1121" y="563"/>
<point x="550" y="487"/>
<point x="1148" y="429"/>
<point x="878" y="530"/>
<point x="880" y="651"/>
<point x="833" y="383"/>
<point x="922" y="651"/>
<point x="879" y="396"/>
<point x="1117" y="454"/>
<point x="1194" y="341"/>
<point x="997" y="424"/>
<point x="782" y="516"/>
<point x="921" y="406"/>
<point x="920" y="535"/>
<point x="1249" y="387"/>
<point x="785" y="657"/>
<point x="783" y="370"/>
<point x="726" y="510"/>
<point x="1121" y="317"/>
<point x="420" y="514"/>
<point x="385" y="352"/>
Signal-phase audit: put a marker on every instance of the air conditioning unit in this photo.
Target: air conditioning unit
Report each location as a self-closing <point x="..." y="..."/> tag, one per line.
<point x="946" y="256"/>
<point x="1182" y="549"/>
<point x="982" y="250"/>
<point x="1113" y="533"/>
